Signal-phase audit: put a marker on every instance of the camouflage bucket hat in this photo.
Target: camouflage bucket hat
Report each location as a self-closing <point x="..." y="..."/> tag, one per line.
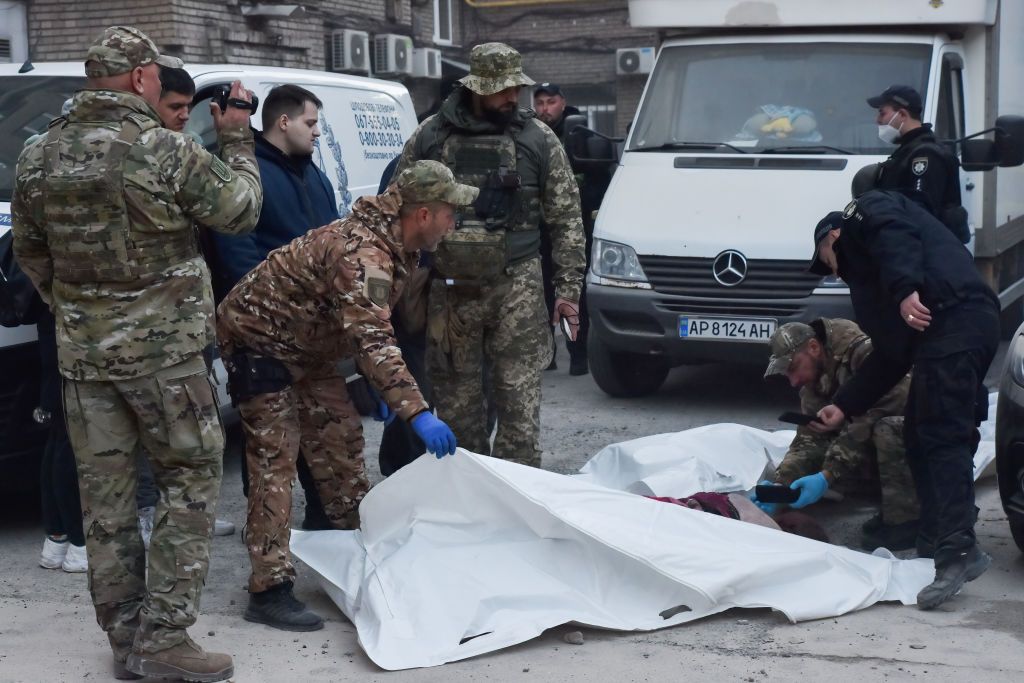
<point x="786" y="341"/>
<point x="119" y="49"/>
<point x="494" y="67"/>
<point x="432" y="181"/>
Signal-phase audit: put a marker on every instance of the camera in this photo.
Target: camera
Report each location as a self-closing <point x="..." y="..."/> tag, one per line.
<point x="222" y="96"/>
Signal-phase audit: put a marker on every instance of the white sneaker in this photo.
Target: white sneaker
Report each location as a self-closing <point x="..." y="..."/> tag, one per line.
<point x="222" y="527"/>
<point x="53" y="553"/>
<point x="76" y="561"/>
<point x="146" y="515"/>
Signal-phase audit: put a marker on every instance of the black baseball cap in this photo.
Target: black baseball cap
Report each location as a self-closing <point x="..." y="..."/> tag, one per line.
<point x="832" y="221"/>
<point x="901" y="95"/>
<point x="549" y="88"/>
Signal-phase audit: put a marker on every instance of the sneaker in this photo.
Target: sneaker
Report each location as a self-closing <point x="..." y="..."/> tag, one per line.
<point x="578" y="365"/>
<point x="75" y="561"/>
<point x="146" y="516"/>
<point x="185" y="660"/>
<point x="892" y="536"/>
<point x="278" y="608"/>
<point x="222" y="527"/>
<point x="53" y="553"/>
<point x="951" y="578"/>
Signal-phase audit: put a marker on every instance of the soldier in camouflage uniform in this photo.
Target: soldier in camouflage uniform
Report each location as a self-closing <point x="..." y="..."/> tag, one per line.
<point x="322" y="298"/>
<point x="486" y="310"/>
<point x="818" y="359"/>
<point x="103" y="213"/>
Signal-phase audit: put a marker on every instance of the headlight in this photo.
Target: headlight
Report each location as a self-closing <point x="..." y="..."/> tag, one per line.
<point x="617" y="262"/>
<point x="1015" y="360"/>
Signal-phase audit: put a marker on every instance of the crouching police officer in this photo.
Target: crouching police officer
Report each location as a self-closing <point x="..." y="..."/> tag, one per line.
<point x="324" y="297"/>
<point x="916" y="292"/>
<point x="819" y="359"/>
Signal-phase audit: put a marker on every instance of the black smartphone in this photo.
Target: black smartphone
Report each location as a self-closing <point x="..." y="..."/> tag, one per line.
<point x="775" y="493"/>
<point x="798" y="418"/>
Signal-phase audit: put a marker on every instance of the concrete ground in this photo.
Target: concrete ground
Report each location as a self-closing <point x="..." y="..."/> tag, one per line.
<point x="48" y="631"/>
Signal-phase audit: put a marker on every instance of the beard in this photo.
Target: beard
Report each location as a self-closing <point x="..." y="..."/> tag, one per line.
<point x="499" y="117"/>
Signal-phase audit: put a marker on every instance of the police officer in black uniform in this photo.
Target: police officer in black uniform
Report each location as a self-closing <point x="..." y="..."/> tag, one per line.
<point x="916" y="292"/>
<point x="920" y="162"/>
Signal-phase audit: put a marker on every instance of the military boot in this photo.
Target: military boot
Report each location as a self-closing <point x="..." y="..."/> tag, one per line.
<point x="892" y="536"/>
<point x="279" y="608"/>
<point x="186" y="661"/>
<point x="950" y="578"/>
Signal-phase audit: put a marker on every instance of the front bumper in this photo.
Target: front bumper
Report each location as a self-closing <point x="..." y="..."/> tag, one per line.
<point x="644" y="321"/>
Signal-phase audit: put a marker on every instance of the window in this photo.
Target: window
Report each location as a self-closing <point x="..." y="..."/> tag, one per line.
<point x="443" y="22"/>
<point x="600" y="117"/>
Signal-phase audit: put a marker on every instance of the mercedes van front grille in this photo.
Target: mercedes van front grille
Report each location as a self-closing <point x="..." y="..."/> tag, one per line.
<point x="763" y="279"/>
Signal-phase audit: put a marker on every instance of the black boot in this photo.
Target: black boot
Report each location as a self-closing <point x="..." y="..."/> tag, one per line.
<point x="892" y="536"/>
<point x="950" y="578"/>
<point x="278" y="608"/>
<point x="578" y="364"/>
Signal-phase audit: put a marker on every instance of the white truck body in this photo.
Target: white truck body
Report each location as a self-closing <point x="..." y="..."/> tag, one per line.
<point x="364" y="124"/>
<point x="680" y="208"/>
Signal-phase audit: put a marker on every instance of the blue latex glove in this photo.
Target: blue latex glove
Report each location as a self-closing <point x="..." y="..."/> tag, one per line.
<point x="383" y="413"/>
<point x="811" y="487"/>
<point x="435" y="434"/>
<point x="768" y="508"/>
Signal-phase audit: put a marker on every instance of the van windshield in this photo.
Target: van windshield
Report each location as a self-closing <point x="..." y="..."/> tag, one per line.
<point x="774" y="97"/>
<point x="27" y="105"/>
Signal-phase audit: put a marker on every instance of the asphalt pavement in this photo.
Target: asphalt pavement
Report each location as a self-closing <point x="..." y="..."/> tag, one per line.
<point x="48" y="630"/>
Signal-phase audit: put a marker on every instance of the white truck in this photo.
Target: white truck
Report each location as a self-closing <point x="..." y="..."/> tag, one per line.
<point x="704" y="235"/>
<point x="364" y="124"/>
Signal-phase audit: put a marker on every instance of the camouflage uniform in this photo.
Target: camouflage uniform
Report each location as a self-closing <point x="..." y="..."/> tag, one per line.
<point x="324" y="297"/>
<point x="103" y="213"/>
<point x="877" y="434"/>
<point x="495" y="320"/>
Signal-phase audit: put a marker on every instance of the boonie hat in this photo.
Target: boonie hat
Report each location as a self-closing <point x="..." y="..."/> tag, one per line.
<point x="786" y="341"/>
<point x="549" y="88"/>
<point x="431" y="181"/>
<point x="832" y="221"/>
<point x="900" y="95"/>
<point x="119" y="49"/>
<point x="494" y="67"/>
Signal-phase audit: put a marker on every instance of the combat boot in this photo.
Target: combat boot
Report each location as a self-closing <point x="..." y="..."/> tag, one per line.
<point x="186" y="661"/>
<point x="949" y="579"/>
<point x="278" y="608"/>
<point x="892" y="536"/>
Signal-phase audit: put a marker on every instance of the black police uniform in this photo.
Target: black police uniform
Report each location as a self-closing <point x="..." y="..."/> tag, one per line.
<point x="921" y="163"/>
<point x="890" y="247"/>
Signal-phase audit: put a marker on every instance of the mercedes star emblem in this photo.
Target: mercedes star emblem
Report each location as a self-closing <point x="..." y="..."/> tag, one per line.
<point x="729" y="268"/>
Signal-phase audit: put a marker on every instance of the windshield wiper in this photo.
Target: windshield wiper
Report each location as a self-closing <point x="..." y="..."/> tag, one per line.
<point x="689" y="145"/>
<point x="804" y="149"/>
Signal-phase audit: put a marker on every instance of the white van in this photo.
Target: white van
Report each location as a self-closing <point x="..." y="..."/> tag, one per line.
<point x="703" y="238"/>
<point x="364" y="124"/>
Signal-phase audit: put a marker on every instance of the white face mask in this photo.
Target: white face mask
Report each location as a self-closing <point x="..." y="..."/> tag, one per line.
<point x="887" y="133"/>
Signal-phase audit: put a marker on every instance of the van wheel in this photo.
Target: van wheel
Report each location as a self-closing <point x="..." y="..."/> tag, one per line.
<point x="1017" y="530"/>
<point x="624" y="375"/>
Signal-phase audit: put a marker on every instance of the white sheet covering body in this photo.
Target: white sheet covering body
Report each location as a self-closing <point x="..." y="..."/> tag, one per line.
<point x="473" y="547"/>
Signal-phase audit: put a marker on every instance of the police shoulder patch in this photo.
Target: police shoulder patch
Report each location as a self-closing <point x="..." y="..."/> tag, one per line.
<point x="919" y="165"/>
<point x="378" y="286"/>
<point x="221" y="170"/>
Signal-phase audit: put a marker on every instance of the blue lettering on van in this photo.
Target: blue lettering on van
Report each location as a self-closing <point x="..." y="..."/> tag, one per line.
<point x="345" y="196"/>
<point x="379" y="129"/>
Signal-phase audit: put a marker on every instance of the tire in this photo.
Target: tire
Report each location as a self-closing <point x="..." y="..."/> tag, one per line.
<point x="624" y="375"/>
<point x="1017" y="530"/>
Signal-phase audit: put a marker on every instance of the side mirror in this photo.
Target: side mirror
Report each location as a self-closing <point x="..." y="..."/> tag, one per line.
<point x="978" y="154"/>
<point x="574" y="121"/>
<point x="1009" y="142"/>
<point x="586" y="147"/>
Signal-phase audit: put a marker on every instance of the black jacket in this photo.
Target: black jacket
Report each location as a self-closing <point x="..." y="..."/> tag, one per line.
<point x="921" y="163"/>
<point x="890" y="246"/>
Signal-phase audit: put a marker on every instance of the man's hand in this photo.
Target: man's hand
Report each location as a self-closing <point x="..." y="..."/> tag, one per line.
<point x="811" y="488"/>
<point x="914" y="313"/>
<point x="234" y="117"/>
<point x="830" y="419"/>
<point x="570" y="312"/>
<point x="437" y="436"/>
<point x="768" y="508"/>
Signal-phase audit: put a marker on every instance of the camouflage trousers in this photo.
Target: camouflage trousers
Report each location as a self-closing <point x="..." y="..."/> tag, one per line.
<point x="501" y="328"/>
<point x="316" y="415"/>
<point x="808" y="453"/>
<point x="172" y="414"/>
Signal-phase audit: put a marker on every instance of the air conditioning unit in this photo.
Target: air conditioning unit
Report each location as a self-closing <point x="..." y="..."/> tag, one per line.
<point x="350" y="51"/>
<point x="426" y="62"/>
<point x="392" y="54"/>
<point x="630" y="61"/>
